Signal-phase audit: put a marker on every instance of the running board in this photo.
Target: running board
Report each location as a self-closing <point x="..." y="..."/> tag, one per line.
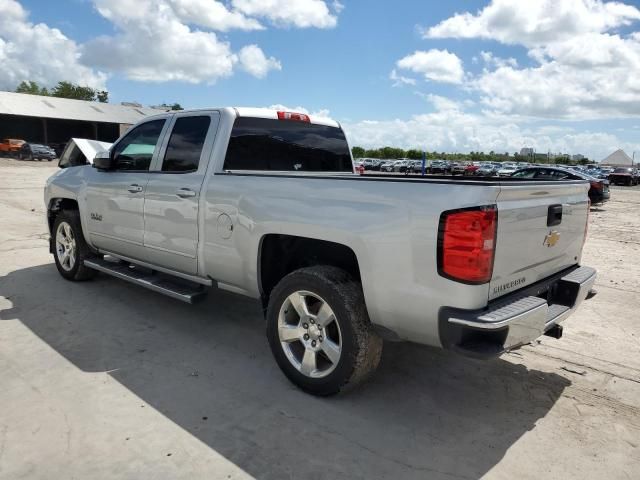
<point x="180" y="290"/>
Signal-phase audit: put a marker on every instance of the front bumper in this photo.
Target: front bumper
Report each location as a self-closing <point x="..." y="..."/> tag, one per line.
<point x="518" y="318"/>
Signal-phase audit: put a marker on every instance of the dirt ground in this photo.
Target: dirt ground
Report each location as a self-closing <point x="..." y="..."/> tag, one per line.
<point x="106" y="380"/>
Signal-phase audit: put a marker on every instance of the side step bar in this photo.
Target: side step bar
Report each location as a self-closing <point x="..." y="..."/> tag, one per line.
<point x="180" y="290"/>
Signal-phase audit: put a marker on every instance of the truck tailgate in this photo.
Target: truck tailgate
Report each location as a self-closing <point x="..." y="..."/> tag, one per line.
<point x="541" y="231"/>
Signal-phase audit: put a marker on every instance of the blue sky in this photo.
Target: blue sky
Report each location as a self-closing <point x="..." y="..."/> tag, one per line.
<point x="453" y="76"/>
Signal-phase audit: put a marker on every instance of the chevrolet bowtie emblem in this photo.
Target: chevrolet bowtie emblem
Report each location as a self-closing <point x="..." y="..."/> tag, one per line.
<point x="551" y="239"/>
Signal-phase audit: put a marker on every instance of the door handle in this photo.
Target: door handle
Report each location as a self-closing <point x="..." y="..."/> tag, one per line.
<point x="185" y="193"/>
<point x="134" y="188"/>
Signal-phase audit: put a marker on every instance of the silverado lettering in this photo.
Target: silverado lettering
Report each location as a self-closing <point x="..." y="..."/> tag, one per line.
<point x="509" y="285"/>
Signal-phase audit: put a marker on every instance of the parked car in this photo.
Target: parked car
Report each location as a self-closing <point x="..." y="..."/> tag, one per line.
<point x="471" y="169"/>
<point x="36" y="151"/>
<point x="387" y="166"/>
<point x="324" y="250"/>
<point x="10" y="146"/>
<point x="401" y="165"/>
<point x="371" y="163"/>
<point x="458" y="168"/>
<point x="506" y="170"/>
<point x="439" y="167"/>
<point x="598" y="190"/>
<point x="416" y="166"/>
<point x="624" y="176"/>
<point x="486" y="170"/>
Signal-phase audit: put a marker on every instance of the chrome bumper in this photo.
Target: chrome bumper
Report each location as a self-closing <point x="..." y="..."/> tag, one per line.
<point x="519" y="318"/>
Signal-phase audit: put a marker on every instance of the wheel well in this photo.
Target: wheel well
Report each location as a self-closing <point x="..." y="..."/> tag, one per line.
<point x="57" y="205"/>
<point x="282" y="254"/>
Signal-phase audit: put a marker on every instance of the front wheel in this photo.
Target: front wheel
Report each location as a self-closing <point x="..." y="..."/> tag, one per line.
<point x="70" y="248"/>
<point x="319" y="330"/>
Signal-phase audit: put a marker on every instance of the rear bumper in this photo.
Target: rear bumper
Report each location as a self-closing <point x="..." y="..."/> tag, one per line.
<point x="599" y="197"/>
<point x="518" y="318"/>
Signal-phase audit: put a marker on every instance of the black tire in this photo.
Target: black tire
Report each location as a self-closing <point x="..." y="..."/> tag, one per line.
<point x="361" y="347"/>
<point x="77" y="272"/>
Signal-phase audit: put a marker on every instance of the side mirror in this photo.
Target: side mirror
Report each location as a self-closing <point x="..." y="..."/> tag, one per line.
<point x="103" y="161"/>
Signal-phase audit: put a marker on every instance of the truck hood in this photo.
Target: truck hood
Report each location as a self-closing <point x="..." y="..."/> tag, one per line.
<point x="91" y="147"/>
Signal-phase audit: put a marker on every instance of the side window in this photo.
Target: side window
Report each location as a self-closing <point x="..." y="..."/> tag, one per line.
<point x="557" y="175"/>
<point x="543" y="174"/>
<point x="524" y="174"/>
<point x="185" y="144"/>
<point x="135" y="150"/>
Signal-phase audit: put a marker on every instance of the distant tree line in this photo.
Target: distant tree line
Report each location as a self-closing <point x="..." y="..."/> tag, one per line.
<point x="76" y="92"/>
<point x="64" y="90"/>
<point x="414" y="154"/>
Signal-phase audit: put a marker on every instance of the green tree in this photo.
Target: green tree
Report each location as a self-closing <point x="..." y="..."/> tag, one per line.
<point x="32" y="88"/>
<point x="70" y="90"/>
<point x="64" y="90"/>
<point x="172" y="106"/>
<point x="357" y="152"/>
<point x="414" y="154"/>
<point x="102" y="96"/>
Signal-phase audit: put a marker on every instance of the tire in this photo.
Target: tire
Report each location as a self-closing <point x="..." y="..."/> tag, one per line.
<point x="348" y="328"/>
<point x="71" y="267"/>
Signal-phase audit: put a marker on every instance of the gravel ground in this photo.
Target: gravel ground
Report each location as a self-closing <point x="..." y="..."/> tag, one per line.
<point x="106" y="380"/>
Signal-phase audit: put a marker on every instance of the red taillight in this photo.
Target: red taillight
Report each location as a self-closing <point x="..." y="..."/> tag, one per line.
<point x="597" y="185"/>
<point x="466" y="244"/>
<point x="298" y="117"/>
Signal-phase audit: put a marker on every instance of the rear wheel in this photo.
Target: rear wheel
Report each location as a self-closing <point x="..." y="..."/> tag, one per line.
<point x="319" y="330"/>
<point x="70" y="248"/>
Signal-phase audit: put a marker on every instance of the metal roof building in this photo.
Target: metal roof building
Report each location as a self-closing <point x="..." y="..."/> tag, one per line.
<point x="52" y="120"/>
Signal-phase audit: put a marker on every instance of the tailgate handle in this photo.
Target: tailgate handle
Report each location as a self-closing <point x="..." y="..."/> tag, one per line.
<point x="554" y="215"/>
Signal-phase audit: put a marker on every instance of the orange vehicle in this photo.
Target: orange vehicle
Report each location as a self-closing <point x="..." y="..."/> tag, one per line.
<point x="10" y="146"/>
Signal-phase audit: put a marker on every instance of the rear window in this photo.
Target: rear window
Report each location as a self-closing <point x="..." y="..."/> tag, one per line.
<point x="622" y="170"/>
<point x="280" y="145"/>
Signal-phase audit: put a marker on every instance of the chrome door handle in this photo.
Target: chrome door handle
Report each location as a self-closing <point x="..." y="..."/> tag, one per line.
<point x="185" y="193"/>
<point x="134" y="188"/>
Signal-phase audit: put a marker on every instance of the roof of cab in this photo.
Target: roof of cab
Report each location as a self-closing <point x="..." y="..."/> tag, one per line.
<point x="273" y="114"/>
<point x="256" y="113"/>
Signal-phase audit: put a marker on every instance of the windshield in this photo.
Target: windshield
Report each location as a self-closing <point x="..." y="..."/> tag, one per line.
<point x="622" y="170"/>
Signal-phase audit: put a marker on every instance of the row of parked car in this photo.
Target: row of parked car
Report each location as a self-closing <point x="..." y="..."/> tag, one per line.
<point x="440" y="167"/>
<point x="599" y="178"/>
<point x="15" y="148"/>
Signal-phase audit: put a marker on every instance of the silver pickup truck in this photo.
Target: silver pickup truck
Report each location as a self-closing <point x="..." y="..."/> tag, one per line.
<point x="266" y="204"/>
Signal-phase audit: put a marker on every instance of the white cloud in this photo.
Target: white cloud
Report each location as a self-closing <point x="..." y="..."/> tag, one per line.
<point x="212" y="14"/>
<point x="296" y="13"/>
<point x="437" y="65"/>
<point x="38" y="52"/>
<point x="399" y="80"/>
<point x="253" y="60"/>
<point x="441" y="103"/>
<point x="154" y="44"/>
<point x="450" y="129"/>
<point x="491" y="60"/>
<point x="532" y="23"/>
<point x="581" y="70"/>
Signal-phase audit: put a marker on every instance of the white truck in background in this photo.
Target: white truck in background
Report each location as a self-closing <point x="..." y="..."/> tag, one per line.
<point x="265" y="204"/>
